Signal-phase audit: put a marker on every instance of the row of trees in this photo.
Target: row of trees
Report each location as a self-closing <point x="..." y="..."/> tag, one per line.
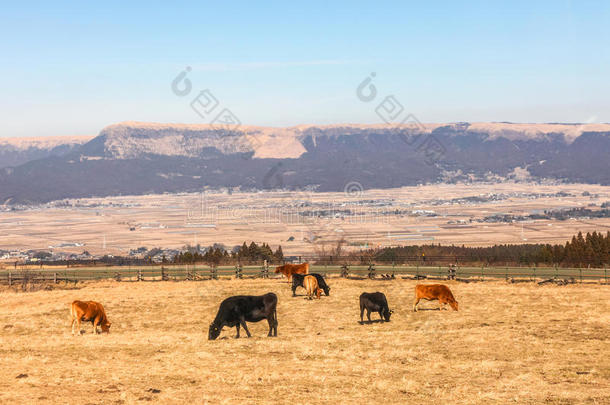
<point x="592" y="249"/>
<point x="219" y="255"/>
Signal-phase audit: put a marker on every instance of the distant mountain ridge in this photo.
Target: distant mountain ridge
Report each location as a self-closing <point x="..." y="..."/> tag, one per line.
<point x="16" y="151"/>
<point x="140" y="158"/>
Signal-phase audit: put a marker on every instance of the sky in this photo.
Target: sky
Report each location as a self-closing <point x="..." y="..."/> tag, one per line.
<point x="73" y="68"/>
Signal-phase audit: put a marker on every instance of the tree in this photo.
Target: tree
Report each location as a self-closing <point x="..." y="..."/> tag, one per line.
<point x="279" y="254"/>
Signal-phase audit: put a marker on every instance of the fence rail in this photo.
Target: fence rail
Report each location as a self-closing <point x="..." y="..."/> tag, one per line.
<point x="205" y="272"/>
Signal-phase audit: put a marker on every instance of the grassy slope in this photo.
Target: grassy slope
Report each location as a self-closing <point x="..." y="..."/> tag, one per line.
<point x="508" y="343"/>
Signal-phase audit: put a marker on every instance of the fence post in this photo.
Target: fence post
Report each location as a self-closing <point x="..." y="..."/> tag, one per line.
<point x="606" y="274"/>
<point x="580" y="271"/>
<point x="556" y="272"/>
<point x="238" y="271"/>
<point x="139" y="274"/>
<point x="10" y="278"/>
<point x="55" y="277"/>
<point x="117" y="276"/>
<point x="344" y="271"/>
<point x="265" y="270"/>
<point x="506" y="273"/>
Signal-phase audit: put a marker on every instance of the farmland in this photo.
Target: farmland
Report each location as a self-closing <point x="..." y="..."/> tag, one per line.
<point x="519" y="343"/>
<point x="305" y="223"/>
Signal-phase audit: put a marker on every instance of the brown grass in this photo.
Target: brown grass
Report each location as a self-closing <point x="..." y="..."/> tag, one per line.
<point x="508" y="343"/>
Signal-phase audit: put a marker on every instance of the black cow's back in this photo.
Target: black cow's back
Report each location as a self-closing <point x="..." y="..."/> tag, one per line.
<point x="238" y="309"/>
<point x="376" y="298"/>
<point x="298" y="279"/>
<point x="375" y="302"/>
<point x="252" y="307"/>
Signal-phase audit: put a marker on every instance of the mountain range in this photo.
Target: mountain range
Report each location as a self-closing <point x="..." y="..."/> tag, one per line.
<point x="141" y="158"/>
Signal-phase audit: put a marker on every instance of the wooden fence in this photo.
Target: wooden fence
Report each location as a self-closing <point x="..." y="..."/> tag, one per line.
<point x="204" y="272"/>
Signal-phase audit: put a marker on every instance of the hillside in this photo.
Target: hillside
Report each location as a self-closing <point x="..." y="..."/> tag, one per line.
<point x="140" y="158"/>
<point x="16" y="151"/>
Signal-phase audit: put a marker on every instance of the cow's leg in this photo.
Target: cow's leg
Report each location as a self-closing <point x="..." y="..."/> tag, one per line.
<point x="73" y="323"/>
<point x="271" y="323"/>
<point x="415" y="304"/>
<point x="78" y="324"/>
<point x="237" y="327"/>
<point x="97" y="322"/>
<point x="243" y="324"/>
<point x="368" y="314"/>
<point x="440" y="304"/>
<point x="94" y="323"/>
<point x="294" y="288"/>
<point x="272" y="320"/>
<point x="381" y="315"/>
<point x="361" y="313"/>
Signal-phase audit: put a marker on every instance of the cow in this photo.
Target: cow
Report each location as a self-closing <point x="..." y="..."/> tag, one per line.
<point x="311" y="286"/>
<point x="430" y="292"/>
<point x="89" y="311"/>
<point x="236" y="310"/>
<point x="289" y="269"/>
<point x="374" y="302"/>
<point x="297" y="281"/>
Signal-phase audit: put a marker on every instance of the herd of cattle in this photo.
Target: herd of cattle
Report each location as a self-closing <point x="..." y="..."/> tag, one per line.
<point x="237" y="310"/>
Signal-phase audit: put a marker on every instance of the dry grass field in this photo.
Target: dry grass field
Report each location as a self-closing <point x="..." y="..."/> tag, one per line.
<point x="520" y="344"/>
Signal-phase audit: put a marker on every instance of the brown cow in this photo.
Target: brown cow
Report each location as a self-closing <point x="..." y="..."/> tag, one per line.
<point x="89" y="311"/>
<point x="311" y="286"/>
<point x="430" y="292"/>
<point x="289" y="269"/>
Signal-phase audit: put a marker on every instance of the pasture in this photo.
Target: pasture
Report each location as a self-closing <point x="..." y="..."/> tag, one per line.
<point x="519" y="343"/>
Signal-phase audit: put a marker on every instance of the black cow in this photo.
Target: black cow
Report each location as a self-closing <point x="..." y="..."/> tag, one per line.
<point x="374" y="302"/>
<point x="235" y="311"/>
<point x="297" y="281"/>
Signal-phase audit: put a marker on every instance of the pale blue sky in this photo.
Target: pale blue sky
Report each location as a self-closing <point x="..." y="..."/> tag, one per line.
<point x="72" y="68"/>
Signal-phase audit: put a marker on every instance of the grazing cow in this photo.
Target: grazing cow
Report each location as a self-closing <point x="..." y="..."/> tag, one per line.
<point x="375" y="302"/>
<point x="297" y="281"/>
<point x="89" y="311"/>
<point x="430" y="292"/>
<point x="311" y="286"/>
<point x="235" y="311"/>
<point x="289" y="269"/>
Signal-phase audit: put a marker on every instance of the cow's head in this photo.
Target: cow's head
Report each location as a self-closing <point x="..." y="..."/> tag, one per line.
<point x="454" y="304"/>
<point x="106" y="327"/>
<point x="387" y="313"/>
<point x="214" y="331"/>
<point x="279" y="268"/>
<point x="326" y="291"/>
